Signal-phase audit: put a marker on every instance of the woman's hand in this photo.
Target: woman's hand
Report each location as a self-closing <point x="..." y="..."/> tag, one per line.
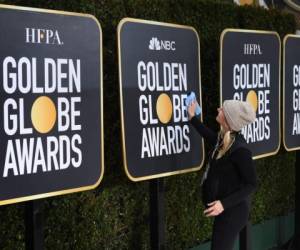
<point x="191" y="109"/>
<point x="215" y="208"/>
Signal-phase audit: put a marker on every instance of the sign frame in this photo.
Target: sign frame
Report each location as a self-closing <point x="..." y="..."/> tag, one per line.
<point x="279" y="79"/>
<point x="165" y="174"/>
<point x="101" y="141"/>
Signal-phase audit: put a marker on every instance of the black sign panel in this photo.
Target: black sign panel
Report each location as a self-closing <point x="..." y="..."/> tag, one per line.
<point x="250" y="71"/>
<point x="291" y="92"/>
<point x="51" y="102"/>
<point x="159" y="64"/>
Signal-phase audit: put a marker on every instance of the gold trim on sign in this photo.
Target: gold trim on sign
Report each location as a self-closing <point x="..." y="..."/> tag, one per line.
<point x="279" y="68"/>
<point x="132" y="178"/>
<point x="48" y="11"/>
<point x="83" y="188"/>
<point x="283" y="84"/>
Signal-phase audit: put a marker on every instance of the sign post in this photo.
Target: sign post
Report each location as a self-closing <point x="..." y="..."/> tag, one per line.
<point x="159" y="64"/>
<point x="34" y="224"/>
<point x="297" y="203"/>
<point x="157" y="213"/>
<point x="250" y="71"/>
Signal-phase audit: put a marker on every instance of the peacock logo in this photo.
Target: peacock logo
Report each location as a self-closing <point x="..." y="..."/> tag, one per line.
<point x="154" y="44"/>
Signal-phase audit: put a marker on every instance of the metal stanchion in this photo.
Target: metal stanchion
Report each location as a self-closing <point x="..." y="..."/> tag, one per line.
<point x="34" y="222"/>
<point x="157" y="214"/>
<point x="297" y="202"/>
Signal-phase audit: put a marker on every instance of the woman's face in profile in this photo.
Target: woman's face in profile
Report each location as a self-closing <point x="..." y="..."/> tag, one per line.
<point x="221" y="117"/>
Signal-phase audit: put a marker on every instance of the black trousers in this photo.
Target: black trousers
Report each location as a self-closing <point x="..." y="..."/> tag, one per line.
<point x="227" y="226"/>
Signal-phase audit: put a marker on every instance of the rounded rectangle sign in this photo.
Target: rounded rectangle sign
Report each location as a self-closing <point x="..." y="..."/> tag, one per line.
<point x="250" y="71"/>
<point x="291" y="92"/>
<point x="51" y="127"/>
<point x="159" y="64"/>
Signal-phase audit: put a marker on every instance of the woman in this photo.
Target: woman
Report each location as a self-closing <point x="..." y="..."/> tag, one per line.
<point x="230" y="175"/>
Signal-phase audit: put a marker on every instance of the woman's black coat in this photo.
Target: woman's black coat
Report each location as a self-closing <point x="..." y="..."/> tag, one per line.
<point x="232" y="178"/>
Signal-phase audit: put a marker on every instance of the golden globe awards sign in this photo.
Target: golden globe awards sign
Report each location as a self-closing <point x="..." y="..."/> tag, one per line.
<point x="291" y="92"/>
<point x="159" y="64"/>
<point x="250" y="71"/>
<point x="51" y="101"/>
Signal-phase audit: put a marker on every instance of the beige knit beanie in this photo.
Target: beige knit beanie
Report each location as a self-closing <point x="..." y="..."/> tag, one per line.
<point x="238" y="114"/>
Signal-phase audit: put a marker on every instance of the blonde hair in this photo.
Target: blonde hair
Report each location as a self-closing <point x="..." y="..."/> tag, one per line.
<point x="228" y="139"/>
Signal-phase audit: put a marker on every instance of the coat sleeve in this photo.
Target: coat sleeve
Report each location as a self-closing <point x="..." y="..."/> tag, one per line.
<point x="242" y="158"/>
<point x="209" y="135"/>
